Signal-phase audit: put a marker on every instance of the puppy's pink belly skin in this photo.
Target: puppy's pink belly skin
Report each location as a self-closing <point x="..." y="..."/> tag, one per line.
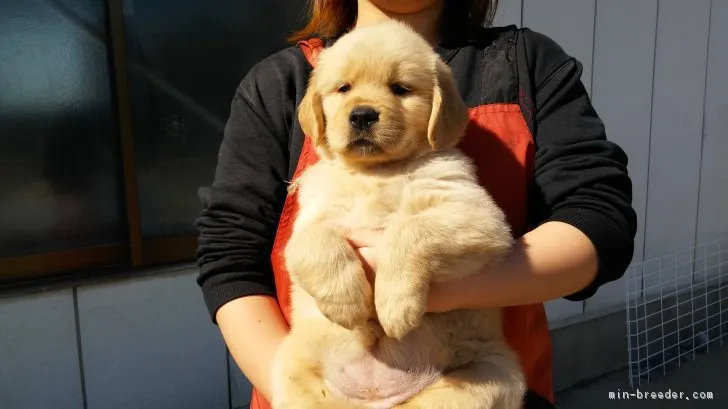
<point x="372" y="383"/>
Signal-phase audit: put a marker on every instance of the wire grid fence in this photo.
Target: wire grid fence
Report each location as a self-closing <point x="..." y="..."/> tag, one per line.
<point x="677" y="307"/>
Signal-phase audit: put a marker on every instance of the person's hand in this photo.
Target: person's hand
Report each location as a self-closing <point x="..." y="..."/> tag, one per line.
<point x="441" y="296"/>
<point x="365" y="242"/>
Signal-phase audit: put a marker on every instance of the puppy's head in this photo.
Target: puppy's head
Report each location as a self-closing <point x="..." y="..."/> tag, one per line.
<point x="381" y="94"/>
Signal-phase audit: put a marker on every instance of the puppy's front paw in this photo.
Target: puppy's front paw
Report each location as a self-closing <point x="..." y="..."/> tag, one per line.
<point x="399" y="310"/>
<point x="325" y="265"/>
<point x="347" y="300"/>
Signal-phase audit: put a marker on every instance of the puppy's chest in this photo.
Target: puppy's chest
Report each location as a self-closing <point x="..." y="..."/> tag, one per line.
<point x="350" y="199"/>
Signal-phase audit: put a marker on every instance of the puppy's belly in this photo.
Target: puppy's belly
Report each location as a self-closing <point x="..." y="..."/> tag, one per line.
<point x="374" y="384"/>
<point x="354" y="371"/>
<point x="370" y="382"/>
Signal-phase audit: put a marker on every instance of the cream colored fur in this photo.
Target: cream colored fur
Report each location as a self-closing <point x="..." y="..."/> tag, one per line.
<point x="438" y="224"/>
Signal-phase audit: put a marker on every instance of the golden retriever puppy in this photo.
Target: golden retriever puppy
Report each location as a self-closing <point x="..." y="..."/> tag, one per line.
<point x="385" y="116"/>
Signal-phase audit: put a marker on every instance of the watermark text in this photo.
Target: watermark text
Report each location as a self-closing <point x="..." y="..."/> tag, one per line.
<point x="660" y="395"/>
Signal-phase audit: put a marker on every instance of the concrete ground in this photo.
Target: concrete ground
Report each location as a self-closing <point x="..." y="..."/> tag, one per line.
<point x="707" y="374"/>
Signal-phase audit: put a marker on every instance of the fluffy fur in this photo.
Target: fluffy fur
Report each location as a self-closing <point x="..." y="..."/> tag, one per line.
<point x="385" y="116"/>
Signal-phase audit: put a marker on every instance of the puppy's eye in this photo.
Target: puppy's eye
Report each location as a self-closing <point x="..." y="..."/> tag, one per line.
<point x="343" y="88"/>
<point x="399" y="89"/>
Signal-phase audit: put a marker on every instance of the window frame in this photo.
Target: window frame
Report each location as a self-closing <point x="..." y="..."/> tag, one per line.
<point x="138" y="251"/>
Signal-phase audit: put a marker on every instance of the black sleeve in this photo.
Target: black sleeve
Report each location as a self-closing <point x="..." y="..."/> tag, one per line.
<point x="241" y="209"/>
<point x="580" y="177"/>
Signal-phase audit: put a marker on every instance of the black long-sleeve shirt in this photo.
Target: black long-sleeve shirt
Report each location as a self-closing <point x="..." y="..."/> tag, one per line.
<point x="580" y="177"/>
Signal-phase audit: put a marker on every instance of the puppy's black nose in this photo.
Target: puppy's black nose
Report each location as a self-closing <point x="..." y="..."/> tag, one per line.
<point x="362" y="117"/>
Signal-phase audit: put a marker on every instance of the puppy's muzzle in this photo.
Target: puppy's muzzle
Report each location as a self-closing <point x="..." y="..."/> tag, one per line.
<point x="362" y="118"/>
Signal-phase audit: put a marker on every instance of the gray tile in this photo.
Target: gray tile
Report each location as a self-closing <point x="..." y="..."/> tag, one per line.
<point x="712" y="215"/>
<point x="509" y="12"/>
<point x="677" y="124"/>
<point x="622" y="95"/>
<point x="570" y="23"/>
<point x="706" y="376"/>
<point x="588" y="349"/>
<point x="149" y="344"/>
<point x="561" y="308"/>
<point x="38" y="353"/>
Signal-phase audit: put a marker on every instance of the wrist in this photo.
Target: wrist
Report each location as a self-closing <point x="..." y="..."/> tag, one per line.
<point x="448" y="296"/>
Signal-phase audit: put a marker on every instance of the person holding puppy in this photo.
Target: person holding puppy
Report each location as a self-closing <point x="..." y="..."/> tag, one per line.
<point x="539" y="146"/>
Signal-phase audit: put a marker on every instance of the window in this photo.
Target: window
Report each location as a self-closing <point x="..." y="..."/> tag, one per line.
<point x="111" y="115"/>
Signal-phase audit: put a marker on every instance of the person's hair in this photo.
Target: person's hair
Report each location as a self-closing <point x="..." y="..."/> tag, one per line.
<point x="333" y="18"/>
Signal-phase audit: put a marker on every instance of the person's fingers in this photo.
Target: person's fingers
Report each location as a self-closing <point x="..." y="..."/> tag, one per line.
<point x="358" y="237"/>
<point x="369" y="260"/>
<point x="369" y="254"/>
<point x="363" y="237"/>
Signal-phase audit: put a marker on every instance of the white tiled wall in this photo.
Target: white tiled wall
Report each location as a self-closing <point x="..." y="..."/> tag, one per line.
<point x="713" y="200"/>
<point x="622" y="95"/>
<point x="509" y="12"/>
<point x="570" y="23"/>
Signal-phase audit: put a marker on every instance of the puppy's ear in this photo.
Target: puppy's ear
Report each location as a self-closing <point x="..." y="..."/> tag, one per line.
<point x="311" y="115"/>
<point x="449" y="117"/>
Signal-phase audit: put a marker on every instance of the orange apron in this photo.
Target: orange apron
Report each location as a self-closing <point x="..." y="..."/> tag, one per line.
<point x="499" y="142"/>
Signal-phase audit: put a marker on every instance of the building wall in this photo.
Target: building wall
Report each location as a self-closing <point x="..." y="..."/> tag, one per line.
<point x="658" y="75"/>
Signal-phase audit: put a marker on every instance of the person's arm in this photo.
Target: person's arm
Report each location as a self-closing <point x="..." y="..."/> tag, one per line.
<point x="552" y="261"/>
<point x="240" y="215"/>
<point x="580" y="201"/>
<point x="252" y="328"/>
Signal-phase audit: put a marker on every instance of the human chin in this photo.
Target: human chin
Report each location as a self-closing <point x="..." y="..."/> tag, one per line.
<point x="404" y="6"/>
